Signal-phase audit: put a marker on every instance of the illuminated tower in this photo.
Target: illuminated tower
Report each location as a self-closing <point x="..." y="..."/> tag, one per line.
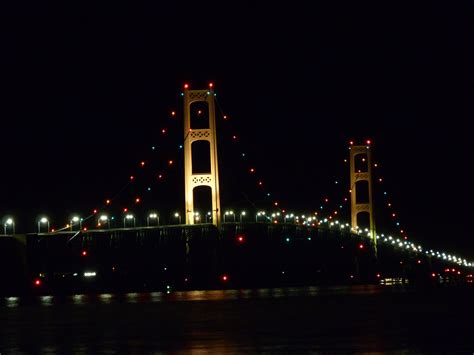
<point x="362" y="175"/>
<point x="211" y="178"/>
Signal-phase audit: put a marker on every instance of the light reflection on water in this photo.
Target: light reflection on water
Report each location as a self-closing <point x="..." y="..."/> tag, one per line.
<point x="11" y="302"/>
<point x="156" y="296"/>
<point x="78" y="299"/>
<point x="132" y="297"/>
<point x="106" y="298"/>
<point x="293" y="319"/>
<point x="46" y="300"/>
<point x="197" y="295"/>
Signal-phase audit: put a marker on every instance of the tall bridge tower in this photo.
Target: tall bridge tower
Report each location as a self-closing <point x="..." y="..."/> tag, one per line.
<point x="210" y="178"/>
<point x="357" y="175"/>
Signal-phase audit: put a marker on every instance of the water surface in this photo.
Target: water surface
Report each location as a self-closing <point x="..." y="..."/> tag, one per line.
<point x="309" y="319"/>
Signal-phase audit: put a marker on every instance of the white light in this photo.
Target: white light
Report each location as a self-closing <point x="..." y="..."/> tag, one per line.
<point x="90" y="274"/>
<point x="129" y="216"/>
<point x="75" y="219"/>
<point x="44" y="220"/>
<point x="103" y="218"/>
<point x="153" y="215"/>
<point x="9" y="221"/>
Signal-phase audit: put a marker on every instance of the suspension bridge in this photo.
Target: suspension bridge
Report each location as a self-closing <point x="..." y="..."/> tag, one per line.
<point x="222" y="247"/>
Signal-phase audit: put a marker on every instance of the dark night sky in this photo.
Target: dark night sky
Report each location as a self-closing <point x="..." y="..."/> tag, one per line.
<point x="86" y="92"/>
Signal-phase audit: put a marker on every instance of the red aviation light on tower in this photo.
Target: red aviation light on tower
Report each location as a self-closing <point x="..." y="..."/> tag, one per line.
<point x="369" y="142"/>
<point x="211" y="85"/>
<point x="351" y="142"/>
<point x="186" y="86"/>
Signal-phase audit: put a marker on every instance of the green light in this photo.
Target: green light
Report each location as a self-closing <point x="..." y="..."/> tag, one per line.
<point x="309" y="238"/>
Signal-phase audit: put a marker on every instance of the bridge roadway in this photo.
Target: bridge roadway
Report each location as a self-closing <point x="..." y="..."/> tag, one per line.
<point x="201" y="257"/>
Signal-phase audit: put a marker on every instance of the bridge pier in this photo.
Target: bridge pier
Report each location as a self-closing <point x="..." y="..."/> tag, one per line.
<point x="356" y="176"/>
<point x="210" y="178"/>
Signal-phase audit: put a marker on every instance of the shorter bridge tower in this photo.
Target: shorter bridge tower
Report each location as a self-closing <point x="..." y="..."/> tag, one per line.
<point x="211" y="178"/>
<point x="359" y="175"/>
